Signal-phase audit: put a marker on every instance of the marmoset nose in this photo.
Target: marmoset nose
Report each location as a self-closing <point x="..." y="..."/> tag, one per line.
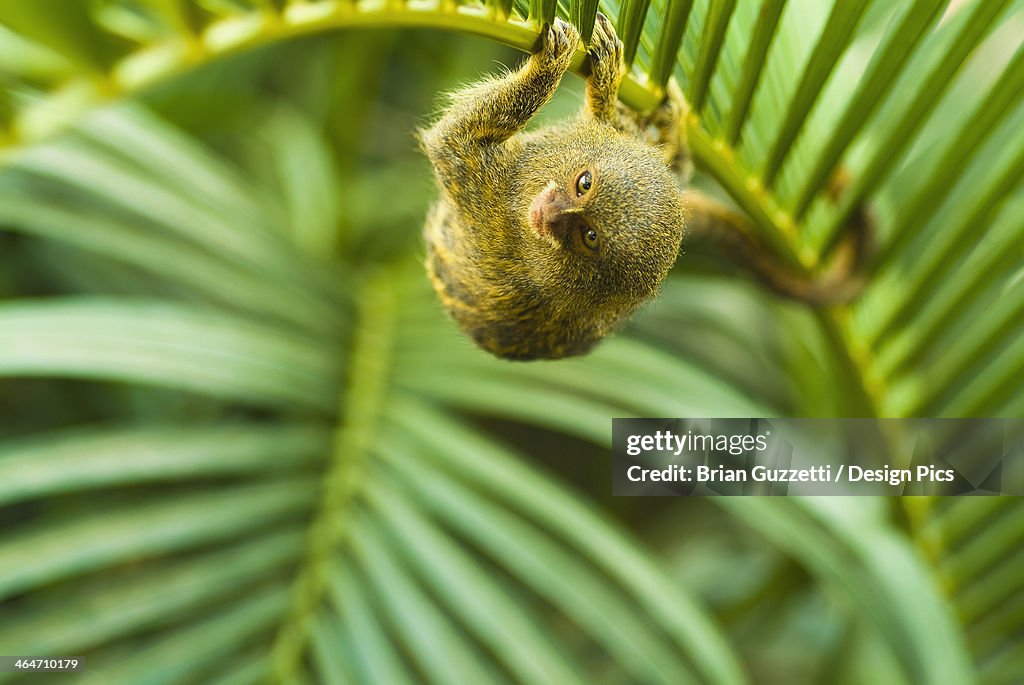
<point x="549" y="210"/>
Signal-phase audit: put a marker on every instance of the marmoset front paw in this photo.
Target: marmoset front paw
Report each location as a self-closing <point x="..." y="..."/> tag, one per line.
<point x="559" y="42"/>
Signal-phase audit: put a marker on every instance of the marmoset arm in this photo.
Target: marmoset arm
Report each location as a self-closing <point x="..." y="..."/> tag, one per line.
<point x="493" y="111"/>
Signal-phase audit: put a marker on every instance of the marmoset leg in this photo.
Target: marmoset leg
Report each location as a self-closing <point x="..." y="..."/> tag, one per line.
<point x="662" y="128"/>
<point x="668" y="123"/>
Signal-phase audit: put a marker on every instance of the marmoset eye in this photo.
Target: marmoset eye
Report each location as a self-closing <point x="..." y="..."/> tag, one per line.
<point x="590" y="238"/>
<point x="583" y="183"/>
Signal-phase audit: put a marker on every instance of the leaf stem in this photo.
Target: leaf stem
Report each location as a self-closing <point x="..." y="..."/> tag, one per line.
<point x="359" y="407"/>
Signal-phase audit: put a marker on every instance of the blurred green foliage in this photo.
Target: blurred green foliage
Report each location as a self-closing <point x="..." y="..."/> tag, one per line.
<point x="240" y="442"/>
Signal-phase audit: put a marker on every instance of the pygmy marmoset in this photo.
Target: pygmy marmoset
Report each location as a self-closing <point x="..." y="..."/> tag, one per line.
<point x="543" y="242"/>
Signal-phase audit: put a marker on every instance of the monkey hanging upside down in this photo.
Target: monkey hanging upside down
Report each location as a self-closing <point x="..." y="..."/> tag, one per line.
<point x="543" y="242"/>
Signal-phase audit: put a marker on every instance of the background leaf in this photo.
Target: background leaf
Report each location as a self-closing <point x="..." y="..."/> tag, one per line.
<point x="236" y="425"/>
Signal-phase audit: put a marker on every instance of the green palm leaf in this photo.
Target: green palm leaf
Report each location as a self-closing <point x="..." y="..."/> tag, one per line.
<point x="306" y="478"/>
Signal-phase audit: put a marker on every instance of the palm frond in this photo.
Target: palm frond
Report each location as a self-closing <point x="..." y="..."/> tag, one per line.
<point x="975" y="546"/>
<point x="341" y="506"/>
<point x="355" y="484"/>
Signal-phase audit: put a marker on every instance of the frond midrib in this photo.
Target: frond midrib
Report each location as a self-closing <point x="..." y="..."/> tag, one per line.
<point x="360" y="403"/>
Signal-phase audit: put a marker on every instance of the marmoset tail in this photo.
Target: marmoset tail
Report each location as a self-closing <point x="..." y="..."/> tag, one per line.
<point x="542" y="243"/>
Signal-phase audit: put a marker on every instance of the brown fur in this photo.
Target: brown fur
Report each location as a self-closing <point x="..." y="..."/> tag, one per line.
<point x="505" y="246"/>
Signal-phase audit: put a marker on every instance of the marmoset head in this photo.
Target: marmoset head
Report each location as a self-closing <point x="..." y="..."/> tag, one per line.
<point x="602" y="214"/>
